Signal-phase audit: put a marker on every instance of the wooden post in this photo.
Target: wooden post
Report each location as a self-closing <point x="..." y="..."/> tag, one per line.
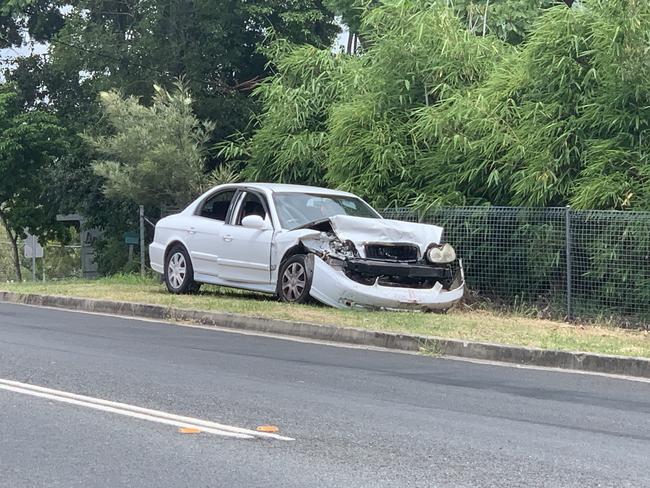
<point x="141" y="240"/>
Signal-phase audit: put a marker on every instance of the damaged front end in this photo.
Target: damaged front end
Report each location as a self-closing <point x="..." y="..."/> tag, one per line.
<point x="380" y="266"/>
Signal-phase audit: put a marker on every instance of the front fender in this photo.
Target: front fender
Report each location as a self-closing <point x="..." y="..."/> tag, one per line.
<point x="284" y="241"/>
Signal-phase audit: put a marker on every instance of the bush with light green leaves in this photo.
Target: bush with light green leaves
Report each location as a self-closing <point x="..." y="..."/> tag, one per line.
<point x="153" y="155"/>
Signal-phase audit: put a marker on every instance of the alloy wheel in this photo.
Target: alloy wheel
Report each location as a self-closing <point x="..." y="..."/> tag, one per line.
<point x="294" y="281"/>
<point x="176" y="270"/>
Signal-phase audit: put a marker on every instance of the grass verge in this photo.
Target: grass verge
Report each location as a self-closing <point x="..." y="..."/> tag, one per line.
<point x="481" y="326"/>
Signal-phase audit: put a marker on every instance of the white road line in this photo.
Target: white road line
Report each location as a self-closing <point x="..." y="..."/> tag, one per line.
<point x="136" y="412"/>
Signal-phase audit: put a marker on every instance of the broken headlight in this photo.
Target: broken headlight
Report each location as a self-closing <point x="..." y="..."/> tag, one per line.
<point x="441" y="254"/>
<point x="343" y="249"/>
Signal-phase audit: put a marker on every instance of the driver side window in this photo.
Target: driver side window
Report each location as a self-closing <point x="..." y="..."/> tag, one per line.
<point x="216" y="206"/>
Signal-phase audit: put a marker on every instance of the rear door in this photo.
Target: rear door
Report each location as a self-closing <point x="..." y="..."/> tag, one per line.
<point x="207" y="230"/>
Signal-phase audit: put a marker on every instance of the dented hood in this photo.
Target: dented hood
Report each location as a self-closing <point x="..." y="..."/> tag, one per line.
<point x="361" y="230"/>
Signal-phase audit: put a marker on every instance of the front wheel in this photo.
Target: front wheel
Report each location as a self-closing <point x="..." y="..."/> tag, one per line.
<point x="179" y="274"/>
<point x="294" y="280"/>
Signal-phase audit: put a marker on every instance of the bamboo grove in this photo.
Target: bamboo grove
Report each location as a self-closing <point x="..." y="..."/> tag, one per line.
<point x="436" y="110"/>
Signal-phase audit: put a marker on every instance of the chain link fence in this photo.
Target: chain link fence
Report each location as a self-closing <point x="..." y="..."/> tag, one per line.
<point x="558" y="262"/>
<point x="58" y="262"/>
<point x="554" y="262"/>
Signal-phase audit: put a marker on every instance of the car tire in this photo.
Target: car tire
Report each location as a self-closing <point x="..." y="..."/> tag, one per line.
<point x="178" y="273"/>
<point x="294" y="280"/>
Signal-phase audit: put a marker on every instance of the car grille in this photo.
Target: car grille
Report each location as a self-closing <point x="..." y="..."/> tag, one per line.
<point x="392" y="252"/>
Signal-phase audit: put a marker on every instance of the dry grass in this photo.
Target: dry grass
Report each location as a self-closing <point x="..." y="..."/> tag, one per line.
<point x="482" y="326"/>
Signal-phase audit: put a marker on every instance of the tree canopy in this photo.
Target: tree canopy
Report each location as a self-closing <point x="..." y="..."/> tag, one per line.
<point x="30" y="143"/>
<point x="433" y="113"/>
<point x="98" y="45"/>
<point x="103" y="46"/>
<point x="153" y="155"/>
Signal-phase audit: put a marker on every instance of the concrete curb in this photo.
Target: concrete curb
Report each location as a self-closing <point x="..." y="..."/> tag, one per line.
<point x="621" y="365"/>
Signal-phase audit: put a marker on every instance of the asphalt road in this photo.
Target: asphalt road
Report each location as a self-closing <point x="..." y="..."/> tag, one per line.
<point x="359" y="418"/>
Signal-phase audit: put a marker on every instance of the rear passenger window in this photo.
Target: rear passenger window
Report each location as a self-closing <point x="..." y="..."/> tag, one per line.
<point x="216" y="206"/>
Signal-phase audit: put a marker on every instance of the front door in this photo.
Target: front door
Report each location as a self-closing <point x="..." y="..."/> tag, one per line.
<point x="245" y="254"/>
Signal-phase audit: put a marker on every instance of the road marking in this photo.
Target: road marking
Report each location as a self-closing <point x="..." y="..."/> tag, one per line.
<point x="137" y="412"/>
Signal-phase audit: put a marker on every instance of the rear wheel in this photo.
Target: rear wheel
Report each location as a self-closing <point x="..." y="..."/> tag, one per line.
<point x="179" y="274"/>
<point x="294" y="280"/>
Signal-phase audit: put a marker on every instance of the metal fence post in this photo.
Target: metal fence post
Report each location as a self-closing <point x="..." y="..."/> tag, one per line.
<point x="567" y="224"/>
<point x="81" y="249"/>
<point x="33" y="258"/>
<point x="141" y="240"/>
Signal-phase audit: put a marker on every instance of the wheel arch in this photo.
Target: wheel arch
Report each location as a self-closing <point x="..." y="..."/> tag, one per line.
<point x="171" y="246"/>
<point x="188" y="285"/>
<point x="298" y="248"/>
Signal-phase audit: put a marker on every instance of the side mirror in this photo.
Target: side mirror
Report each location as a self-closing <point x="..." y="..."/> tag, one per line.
<point x="254" y="222"/>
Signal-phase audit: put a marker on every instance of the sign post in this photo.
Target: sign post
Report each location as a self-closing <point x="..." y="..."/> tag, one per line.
<point x="131" y="239"/>
<point x="33" y="250"/>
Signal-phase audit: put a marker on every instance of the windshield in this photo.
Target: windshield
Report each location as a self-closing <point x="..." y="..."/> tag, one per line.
<point x="297" y="209"/>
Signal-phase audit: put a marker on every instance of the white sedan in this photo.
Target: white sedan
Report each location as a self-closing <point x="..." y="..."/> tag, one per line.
<point x="299" y="242"/>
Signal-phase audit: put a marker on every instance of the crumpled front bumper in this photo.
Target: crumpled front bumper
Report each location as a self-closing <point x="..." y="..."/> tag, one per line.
<point x="332" y="287"/>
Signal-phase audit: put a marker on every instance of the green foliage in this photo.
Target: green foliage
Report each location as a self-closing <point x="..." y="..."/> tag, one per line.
<point x="417" y="57"/>
<point x="113" y="257"/>
<point x="30" y="143"/>
<point x="99" y="45"/>
<point x="348" y="120"/>
<point x="41" y="18"/>
<point x="351" y="11"/>
<point x="509" y="20"/>
<point x="7" y="259"/>
<point x="564" y="120"/>
<point x="433" y="114"/>
<point x="102" y="45"/>
<point x="154" y="155"/>
<point x="226" y="173"/>
<point x="290" y="144"/>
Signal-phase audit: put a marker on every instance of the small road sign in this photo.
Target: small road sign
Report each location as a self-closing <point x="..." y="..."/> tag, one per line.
<point x="32" y="248"/>
<point x="131" y="238"/>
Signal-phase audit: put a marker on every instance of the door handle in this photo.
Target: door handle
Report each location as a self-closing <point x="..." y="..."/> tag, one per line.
<point x="227" y="238"/>
<point x="191" y="231"/>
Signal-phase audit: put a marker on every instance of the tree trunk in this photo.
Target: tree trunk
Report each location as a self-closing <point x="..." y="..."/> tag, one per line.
<point x="14" y="247"/>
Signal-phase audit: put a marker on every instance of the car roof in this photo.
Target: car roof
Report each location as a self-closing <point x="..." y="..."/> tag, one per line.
<point x="285" y="188"/>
